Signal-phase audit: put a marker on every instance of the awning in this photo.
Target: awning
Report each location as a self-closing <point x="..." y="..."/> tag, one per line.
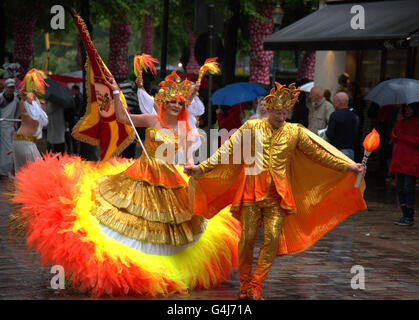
<point x="387" y="24"/>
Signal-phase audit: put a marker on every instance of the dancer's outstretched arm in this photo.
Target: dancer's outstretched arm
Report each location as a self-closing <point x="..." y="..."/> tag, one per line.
<point x="139" y="120"/>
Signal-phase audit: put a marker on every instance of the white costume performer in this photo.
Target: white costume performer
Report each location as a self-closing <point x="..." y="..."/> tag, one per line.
<point x="24" y="147"/>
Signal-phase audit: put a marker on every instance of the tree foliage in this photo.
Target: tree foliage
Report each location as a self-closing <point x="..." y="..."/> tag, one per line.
<point x="102" y="12"/>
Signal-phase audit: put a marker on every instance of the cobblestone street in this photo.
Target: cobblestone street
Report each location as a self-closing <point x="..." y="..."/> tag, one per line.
<point x="388" y="253"/>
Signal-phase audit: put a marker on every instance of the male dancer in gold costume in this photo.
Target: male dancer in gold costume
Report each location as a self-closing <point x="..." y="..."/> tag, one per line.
<point x="300" y="188"/>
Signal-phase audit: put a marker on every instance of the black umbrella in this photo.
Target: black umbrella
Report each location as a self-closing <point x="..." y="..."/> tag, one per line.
<point x="58" y="94"/>
<point x="395" y="91"/>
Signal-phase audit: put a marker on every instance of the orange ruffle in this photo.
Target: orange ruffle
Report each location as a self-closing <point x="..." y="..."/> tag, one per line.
<point x="255" y="188"/>
<point x="161" y="174"/>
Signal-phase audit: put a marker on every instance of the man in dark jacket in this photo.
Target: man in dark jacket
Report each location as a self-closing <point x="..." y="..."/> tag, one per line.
<point x="343" y="125"/>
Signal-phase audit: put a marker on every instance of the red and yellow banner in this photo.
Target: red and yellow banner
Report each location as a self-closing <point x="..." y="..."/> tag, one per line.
<point x="99" y="125"/>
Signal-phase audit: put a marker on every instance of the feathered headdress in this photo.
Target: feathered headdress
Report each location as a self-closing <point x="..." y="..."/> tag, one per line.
<point x="283" y="97"/>
<point x="173" y="88"/>
<point x="34" y="82"/>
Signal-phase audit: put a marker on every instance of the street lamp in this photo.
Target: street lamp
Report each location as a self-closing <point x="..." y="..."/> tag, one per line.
<point x="277" y="16"/>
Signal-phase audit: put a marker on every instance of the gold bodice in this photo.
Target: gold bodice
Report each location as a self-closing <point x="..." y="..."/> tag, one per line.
<point x="161" y="144"/>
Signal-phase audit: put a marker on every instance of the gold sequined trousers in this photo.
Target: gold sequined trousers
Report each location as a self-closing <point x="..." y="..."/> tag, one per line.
<point x="271" y="215"/>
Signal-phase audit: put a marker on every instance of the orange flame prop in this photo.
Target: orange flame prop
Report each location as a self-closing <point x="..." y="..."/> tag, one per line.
<point x="210" y="65"/>
<point x="372" y="141"/>
<point x="146" y="62"/>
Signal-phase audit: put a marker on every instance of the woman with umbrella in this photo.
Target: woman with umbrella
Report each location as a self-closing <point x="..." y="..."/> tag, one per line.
<point x="405" y="135"/>
<point x="405" y="161"/>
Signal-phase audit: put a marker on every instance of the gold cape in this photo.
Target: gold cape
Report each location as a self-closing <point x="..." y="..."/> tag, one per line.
<point x="323" y="197"/>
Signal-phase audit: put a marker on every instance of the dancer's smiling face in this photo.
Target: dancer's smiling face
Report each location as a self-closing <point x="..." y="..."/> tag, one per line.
<point x="174" y="107"/>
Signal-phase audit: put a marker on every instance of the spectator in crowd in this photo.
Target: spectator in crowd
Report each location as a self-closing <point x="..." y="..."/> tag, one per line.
<point x="55" y="128"/>
<point x="327" y="95"/>
<point x="300" y="110"/>
<point x="230" y="118"/>
<point x="9" y="110"/>
<point x="344" y="85"/>
<point x="254" y="107"/>
<point x="358" y="106"/>
<point x="261" y="111"/>
<point x="343" y="126"/>
<point x="386" y="120"/>
<point x="319" y="110"/>
<point x="405" y="161"/>
<point x="71" y="117"/>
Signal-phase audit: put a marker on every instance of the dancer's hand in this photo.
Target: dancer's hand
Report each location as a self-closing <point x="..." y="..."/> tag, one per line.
<point x="111" y="83"/>
<point x="192" y="169"/>
<point x="194" y="89"/>
<point x="22" y="94"/>
<point x="357" y="168"/>
<point x="139" y="81"/>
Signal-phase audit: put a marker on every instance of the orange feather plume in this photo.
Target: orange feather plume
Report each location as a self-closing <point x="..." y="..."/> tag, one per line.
<point x="34" y="82"/>
<point x="144" y="62"/>
<point x="210" y="65"/>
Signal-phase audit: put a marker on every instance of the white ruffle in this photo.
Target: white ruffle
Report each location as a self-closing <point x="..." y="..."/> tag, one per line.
<point x="38" y="133"/>
<point x="147" y="247"/>
<point x="35" y="111"/>
<point x="146" y="102"/>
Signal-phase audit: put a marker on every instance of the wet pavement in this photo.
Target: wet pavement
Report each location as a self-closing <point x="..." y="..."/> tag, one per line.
<point x="368" y="241"/>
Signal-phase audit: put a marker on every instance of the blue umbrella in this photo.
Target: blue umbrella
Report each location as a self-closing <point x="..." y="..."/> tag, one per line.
<point x="395" y="91"/>
<point x="237" y="92"/>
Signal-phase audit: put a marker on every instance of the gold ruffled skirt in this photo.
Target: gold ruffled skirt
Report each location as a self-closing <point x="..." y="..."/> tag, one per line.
<point x="145" y="210"/>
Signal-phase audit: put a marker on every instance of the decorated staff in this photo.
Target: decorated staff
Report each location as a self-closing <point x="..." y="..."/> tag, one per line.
<point x="146" y="62"/>
<point x="371" y="142"/>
